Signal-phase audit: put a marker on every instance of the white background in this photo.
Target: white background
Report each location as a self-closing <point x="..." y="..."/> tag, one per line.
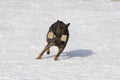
<point x="92" y="52"/>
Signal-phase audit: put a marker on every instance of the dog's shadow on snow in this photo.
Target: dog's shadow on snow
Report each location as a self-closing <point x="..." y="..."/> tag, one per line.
<point x="77" y="53"/>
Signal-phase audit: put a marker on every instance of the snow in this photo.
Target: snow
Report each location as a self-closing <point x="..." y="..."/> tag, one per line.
<point x="92" y="52"/>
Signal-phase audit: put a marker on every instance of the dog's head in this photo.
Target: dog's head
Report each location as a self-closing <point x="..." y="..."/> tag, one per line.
<point x="61" y="27"/>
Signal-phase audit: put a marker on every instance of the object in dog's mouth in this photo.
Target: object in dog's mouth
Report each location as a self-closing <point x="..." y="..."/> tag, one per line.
<point x="58" y="36"/>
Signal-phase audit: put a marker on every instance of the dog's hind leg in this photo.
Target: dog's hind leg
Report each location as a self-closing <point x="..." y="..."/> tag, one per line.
<point x="59" y="52"/>
<point x="45" y="49"/>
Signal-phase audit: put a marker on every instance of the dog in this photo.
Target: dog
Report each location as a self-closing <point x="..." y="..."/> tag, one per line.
<point x="58" y="36"/>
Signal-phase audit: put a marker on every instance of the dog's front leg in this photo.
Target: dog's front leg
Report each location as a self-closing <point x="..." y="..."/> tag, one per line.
<point x="59" y="52"/>
<point x="45" y="49"/>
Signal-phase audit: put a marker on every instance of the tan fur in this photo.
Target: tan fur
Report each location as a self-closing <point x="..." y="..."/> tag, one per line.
<point x="64" y="38"/>
<point x="50" y="35"/>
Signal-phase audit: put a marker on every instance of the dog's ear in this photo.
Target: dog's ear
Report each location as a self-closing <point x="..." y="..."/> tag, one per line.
<point x="67" y="25"/>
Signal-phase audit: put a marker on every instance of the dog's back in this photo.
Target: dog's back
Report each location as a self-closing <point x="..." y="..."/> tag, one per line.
<point x="58" y="34"/>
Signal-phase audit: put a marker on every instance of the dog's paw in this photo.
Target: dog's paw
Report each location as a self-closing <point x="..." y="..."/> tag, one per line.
<point x="56" y="59"/>
<point x="48" y="52"/>
<point x="38" y="58"/>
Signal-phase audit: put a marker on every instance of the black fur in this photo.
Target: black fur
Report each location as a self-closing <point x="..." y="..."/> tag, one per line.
<point x="58" y="29"/>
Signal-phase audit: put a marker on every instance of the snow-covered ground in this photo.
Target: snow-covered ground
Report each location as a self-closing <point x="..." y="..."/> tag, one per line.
<point x="93" y="50"/>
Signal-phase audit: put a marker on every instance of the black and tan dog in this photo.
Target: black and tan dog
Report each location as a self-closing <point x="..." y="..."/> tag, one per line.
<point x="57" y="35"/>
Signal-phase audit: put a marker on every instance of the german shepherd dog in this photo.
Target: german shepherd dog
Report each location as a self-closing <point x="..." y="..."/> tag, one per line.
<point x="57" y="35"/>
